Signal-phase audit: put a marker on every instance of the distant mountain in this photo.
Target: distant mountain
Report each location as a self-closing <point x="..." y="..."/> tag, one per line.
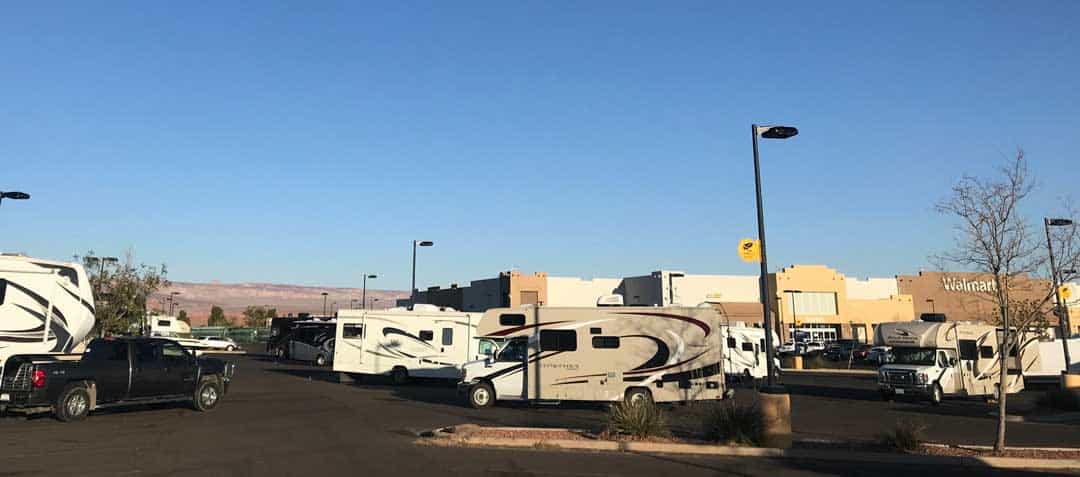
<point x="197" y="298"/>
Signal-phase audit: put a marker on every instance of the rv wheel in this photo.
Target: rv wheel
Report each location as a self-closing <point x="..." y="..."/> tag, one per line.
<point x="935" y="395"/>
<point x="399" y="376"/>
<point x="638" y="396"/>
<point x="481" y="395"/>
<point x="73" y="404"/>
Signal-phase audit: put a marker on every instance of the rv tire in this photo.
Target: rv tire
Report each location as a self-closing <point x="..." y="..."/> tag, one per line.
<point x="481" y="395"/>
<point x="935" y="394"/>
<point x="638" y="396"/>
<point x="399" y="376"/>
<point x="73" y="403"/>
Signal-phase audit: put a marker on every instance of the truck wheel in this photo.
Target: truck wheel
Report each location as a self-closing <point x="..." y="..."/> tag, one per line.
<point x="887" y="395"/>
<point x="281" y="354"/>
<point x="73" y="403"/>
<point x="399" y="376"/>
<point x="935" y="394"/>
<point x="320" y="360"/>
<point x="481" y="395"/>
<point x="638" y="396"/>
<point x="207" y="394"/>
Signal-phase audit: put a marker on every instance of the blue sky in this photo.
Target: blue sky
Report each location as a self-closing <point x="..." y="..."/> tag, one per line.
<point x="309" y="142"/>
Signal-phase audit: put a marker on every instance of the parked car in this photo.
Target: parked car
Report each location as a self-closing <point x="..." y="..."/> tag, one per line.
<point x="861" y="352"/>
<point x="810" y="347"/>
<point x="112" y="372"/>
<point x="840" y="349"/>
<point x="880" y="355"/>
<point x="219" y="342"/>
<point x="787" y="348"/>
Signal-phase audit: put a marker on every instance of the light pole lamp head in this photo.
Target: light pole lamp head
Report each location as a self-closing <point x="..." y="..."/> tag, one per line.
<point x="776" y="132"/>
<point x="1059" y="222"/>
<point x="425" y="243"/>
<point x="373" y="276"/>
<point x="14" y="195"/>
<point x="324" y="293"/>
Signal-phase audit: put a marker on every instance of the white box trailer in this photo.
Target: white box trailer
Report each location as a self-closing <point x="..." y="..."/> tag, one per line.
<point x="933" y="360"/>
<point x="1051" y="361"/>
<point x="744" y="351"/>
<point x="599" y="354"/>
<point x="426" y="342"/>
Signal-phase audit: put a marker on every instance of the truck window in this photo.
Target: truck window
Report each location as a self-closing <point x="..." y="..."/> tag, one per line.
<point x="106" y="351"/>
<point x="512" y="320"/>
<point x="969" y="350"/>
<point x="558" y="340"/>
<point x="514" y="351"/>
<point x="173" y="352"/>
<point x="147" y="351"/>
<point x="447" y="336"/>
<point x="605" y="342"/>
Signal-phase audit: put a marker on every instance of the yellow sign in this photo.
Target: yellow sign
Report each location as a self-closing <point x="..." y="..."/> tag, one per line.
<point x="1064" y="292"/>
<point x="750" y="250"/>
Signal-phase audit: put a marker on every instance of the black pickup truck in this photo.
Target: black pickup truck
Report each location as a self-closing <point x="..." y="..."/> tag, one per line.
<point x="112" y="372"/>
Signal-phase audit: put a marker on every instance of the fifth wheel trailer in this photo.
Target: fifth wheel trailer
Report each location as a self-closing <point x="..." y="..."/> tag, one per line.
<point x="425" y="342"/>
<point x="663" y="354"/>
<point x="46" y="306"/>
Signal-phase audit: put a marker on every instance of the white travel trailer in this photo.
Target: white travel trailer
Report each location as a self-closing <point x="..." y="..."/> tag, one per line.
<point x="744" y="351"/>
<point x="46" y="306"/>
<point x="167" y="326"/>
<point x="933" y="360"/>
<point x="599" y="354"/>
<point x="1051" y="361"/>
<point x="426" y="342"/>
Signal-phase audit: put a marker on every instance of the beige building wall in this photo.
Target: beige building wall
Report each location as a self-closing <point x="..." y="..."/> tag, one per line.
<point x="692" y="290"/>
<point x="871" y="288"/>
<point x="573" y="291"/>
<point x="526" y="289"/>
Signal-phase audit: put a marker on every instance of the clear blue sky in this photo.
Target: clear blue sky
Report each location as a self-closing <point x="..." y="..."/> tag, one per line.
<point x="307" y="142"/>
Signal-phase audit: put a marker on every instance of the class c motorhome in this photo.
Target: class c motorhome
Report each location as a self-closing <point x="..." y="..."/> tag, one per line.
<point x="46" y="306"/>
<point x="663" y="354"/>
<point x="744" y="351"/>
<point x="933" y="360"/>
<point x="425" y="342"/>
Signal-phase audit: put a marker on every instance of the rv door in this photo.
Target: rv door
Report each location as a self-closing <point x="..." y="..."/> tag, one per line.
<point x="947" y="379"/>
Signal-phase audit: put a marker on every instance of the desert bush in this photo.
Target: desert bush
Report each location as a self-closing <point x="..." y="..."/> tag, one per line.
<point x="638" y="420"/>
<point x="731" y="422"/>
<point x="906" y="435"/>
<point x="1065" y="400"/>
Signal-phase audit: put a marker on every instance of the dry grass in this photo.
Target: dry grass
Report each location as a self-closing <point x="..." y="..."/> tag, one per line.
<point x="907" y="435"/>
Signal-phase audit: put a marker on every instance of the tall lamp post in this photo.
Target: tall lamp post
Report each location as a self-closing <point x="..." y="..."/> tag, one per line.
<point x="324" y="304"/>
<point x="767" y="132"/>
<point x="363" y="297"/>
<point x="13" y="196"/>
<point x="794" y="315"/>
<point x="416" y="243"/>
<point x="1063" y="317"/>
<point x="172" y="300"/>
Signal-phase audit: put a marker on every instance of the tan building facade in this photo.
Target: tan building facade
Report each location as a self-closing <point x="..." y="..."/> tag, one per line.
<point x="969" y="296"/>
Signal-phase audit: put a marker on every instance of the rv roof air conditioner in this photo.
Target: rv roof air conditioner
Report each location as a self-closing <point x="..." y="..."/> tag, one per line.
<point x="932" y="317"/>
<point x="610" y="300"/>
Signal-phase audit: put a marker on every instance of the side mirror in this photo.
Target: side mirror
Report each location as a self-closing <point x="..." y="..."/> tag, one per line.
<point x="489" y="361"/>
<point x="952" y="361"/>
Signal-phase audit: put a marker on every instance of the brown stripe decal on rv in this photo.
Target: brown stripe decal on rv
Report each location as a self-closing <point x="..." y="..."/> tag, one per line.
<point x="519" y="328"/>
<point x="700" y="324"/>
<point x="652" y="370"/>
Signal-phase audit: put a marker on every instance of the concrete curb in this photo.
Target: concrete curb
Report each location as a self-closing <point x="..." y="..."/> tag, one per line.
<point x="442" y="437"/>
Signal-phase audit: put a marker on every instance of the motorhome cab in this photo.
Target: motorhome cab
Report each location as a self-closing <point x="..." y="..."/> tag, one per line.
<point x="934" y="360"/>
<point x="599" y="354"/>
<point x="425" y="342"/>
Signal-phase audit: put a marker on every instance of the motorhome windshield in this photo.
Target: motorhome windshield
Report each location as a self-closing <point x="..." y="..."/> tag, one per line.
<point x="514" y="350"/>
<point x="919" y="356"/>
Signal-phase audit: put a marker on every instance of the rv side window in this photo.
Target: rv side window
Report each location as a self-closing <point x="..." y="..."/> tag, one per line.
<point x="512" y="320"/>
<point x="558" y="340"/>
<point x="762" y="343"/>
<point x="605" y="342"/>
<point x="986" y="352"/>
<point x="731" y="343"/>
<point x="427" y="335"/>
<point x="3" y="290"/>
<point x="164" y="323"/>
<point x="352" y="331"/>
<point x="747" y="346"/>
<point x="969" y="350"/>
<point x="447" y="336"/>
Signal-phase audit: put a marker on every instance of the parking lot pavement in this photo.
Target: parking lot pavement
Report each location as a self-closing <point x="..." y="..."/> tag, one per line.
<point x="290" y="419"/>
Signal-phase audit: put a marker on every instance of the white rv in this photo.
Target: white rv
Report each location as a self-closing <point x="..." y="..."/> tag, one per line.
<point x="933" y="360"/>
<point x="599" y="354"/>
<point x="744" y="352"/>
<point x="1051" y="361"/>
<point x="425" y="342"/>
<point x="46" y="306"/>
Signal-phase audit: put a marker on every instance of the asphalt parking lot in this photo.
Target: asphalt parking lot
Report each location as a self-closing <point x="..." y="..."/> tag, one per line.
<point x="291" y="419"/>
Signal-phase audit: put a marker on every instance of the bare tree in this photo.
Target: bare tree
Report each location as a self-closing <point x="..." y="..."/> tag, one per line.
<point x="993" y="237"/>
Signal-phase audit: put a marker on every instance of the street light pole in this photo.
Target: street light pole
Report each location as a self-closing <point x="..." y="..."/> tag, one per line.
<point x="412" y="290"/>
<point x="363" y="298"/>
<point x="768" y="132"/>
<point x="1063" y="317"/>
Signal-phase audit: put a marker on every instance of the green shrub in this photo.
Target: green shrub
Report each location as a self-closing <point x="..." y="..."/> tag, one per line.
<point x="906" y="435"/>
<point x="638" y="420"/>
<point x="1065" y="400"/>
<point x="731" y="422"/>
